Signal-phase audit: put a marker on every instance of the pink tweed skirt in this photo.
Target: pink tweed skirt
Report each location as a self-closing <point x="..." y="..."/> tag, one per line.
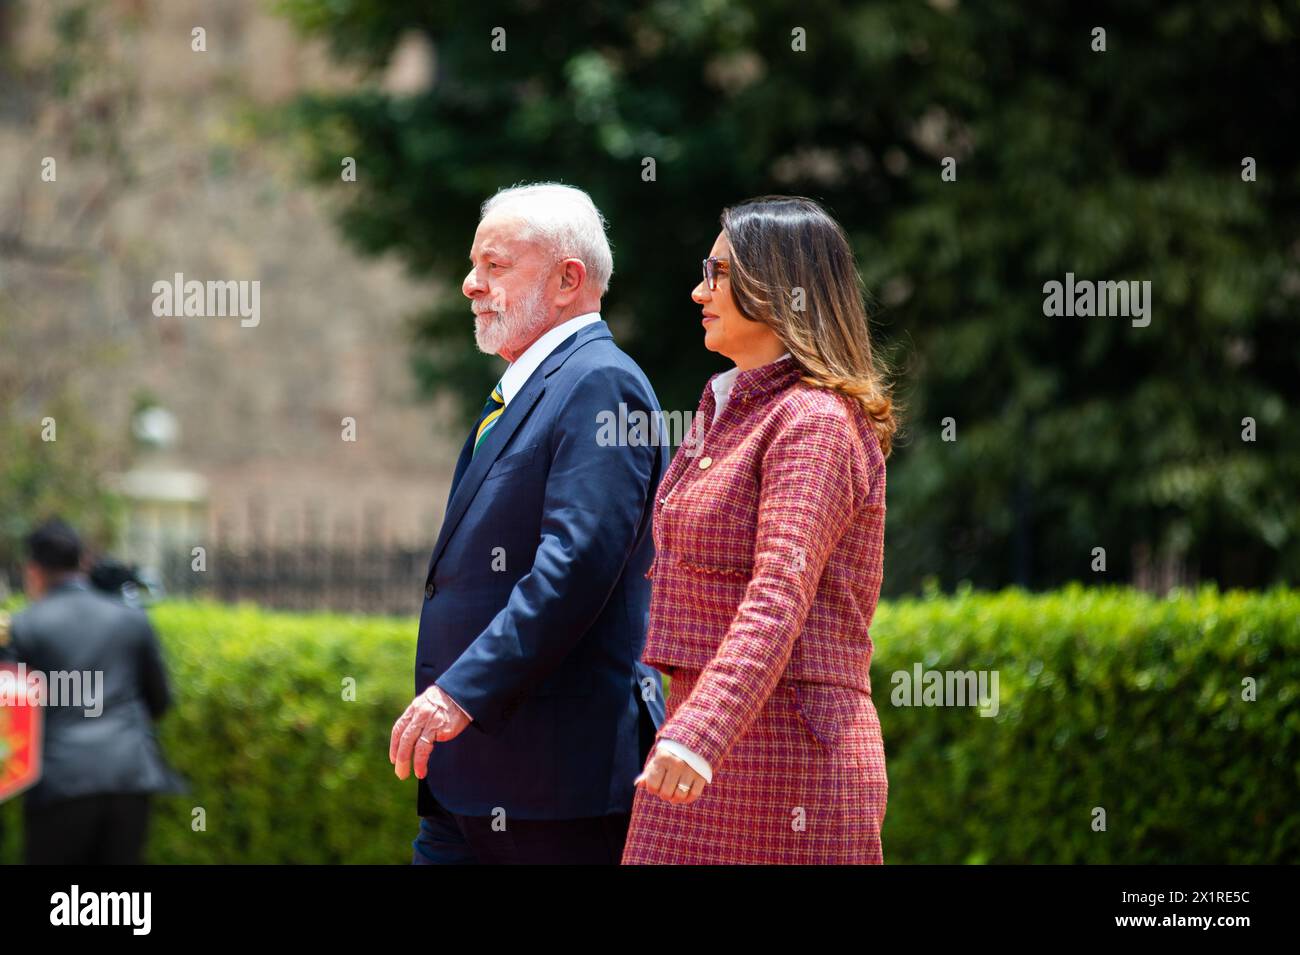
<point x="805" y="785"/>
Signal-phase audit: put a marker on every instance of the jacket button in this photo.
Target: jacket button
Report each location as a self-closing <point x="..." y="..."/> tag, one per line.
<point x="705" y="462"/>
<point x="428" y="592"/>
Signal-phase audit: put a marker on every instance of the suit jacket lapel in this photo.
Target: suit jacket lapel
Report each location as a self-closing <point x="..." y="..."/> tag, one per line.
<point x="470" y="476"/>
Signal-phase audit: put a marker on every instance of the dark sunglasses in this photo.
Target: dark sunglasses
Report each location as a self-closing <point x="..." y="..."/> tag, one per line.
<point x="713" y="267"/>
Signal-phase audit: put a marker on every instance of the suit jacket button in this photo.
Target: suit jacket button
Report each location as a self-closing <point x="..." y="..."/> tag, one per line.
<point x="428" y="592"/>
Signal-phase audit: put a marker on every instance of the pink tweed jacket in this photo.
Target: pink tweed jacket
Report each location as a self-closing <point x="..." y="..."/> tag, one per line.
<point x="769" y="540"/>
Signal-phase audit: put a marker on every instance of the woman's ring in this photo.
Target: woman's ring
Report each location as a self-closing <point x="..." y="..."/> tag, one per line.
<point x="683" y="787"/>
<point x="425" y="739"/>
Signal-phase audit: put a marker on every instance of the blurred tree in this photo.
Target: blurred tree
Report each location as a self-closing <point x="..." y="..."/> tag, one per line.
<point x="1122" y="164"/>
<point x="64" y="103"/>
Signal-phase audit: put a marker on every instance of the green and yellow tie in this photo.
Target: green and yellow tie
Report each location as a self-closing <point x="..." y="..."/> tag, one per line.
<point x="496" y="404"/>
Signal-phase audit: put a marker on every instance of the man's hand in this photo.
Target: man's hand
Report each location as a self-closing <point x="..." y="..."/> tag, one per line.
<point x="670" y="779"/>
<point x="433" y="716"/>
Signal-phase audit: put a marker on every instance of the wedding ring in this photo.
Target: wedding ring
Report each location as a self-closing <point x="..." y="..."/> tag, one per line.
<point x="682" y="787"/>
<point x="425" y="739"/>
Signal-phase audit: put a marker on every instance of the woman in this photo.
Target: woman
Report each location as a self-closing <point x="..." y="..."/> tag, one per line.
<point x="769" y="534"/>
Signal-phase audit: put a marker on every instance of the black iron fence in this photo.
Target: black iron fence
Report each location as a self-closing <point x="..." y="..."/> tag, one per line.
<point x="378" y="580"/>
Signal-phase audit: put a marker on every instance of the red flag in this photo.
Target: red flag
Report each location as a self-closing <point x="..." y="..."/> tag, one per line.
<point x="20" y="733"/>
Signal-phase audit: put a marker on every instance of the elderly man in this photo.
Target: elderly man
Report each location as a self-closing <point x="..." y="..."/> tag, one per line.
<point x="533" y="714"/>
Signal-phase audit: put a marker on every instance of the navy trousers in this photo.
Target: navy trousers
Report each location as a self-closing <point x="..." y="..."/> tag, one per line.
<point x="449" y="839"/>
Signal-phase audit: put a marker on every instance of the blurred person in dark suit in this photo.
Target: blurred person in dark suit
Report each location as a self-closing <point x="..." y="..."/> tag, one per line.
<point x="102" y="760"/>
<point x="117" y="579"/>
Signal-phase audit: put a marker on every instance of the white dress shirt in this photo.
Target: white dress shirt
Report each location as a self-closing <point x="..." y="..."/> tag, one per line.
<point x="522" y="368"/>
<point x="721" y="395"/>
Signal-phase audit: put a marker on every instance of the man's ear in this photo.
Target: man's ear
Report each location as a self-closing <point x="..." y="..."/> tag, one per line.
<point x="35" y="579"/>
<point x="573" y="275"/>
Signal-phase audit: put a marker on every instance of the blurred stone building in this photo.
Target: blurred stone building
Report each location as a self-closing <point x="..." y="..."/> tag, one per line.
<point x="169" y="161"/>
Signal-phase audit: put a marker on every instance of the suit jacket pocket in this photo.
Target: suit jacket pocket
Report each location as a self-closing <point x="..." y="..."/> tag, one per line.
<point x="511" y="462"/>
<point x="824" y="710"/>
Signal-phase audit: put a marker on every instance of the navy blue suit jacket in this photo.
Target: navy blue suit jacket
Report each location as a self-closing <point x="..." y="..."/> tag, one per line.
<point x="536" y="601"/>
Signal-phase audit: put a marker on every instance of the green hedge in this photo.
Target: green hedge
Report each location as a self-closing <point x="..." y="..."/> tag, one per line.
<point x="284" y="769"/>
<point x="1108" y="698"/>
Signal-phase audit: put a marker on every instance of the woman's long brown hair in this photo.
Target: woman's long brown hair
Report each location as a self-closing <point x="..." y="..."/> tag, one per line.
<point x="792" y="269"/>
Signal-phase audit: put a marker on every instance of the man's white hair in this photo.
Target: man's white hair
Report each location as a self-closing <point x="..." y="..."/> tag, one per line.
<point x="565" y="220"/>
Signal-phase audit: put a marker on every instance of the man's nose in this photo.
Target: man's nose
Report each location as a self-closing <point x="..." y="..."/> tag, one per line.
<point x="472" y="286"/>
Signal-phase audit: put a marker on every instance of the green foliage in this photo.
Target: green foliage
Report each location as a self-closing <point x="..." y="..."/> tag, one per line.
<point x="284" y="768"/>
<point x="1107" y="698"/>
<point x="1072" y="432"/>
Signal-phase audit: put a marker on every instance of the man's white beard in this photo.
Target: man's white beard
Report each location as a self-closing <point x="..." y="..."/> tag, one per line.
<point x="515" y="325"/>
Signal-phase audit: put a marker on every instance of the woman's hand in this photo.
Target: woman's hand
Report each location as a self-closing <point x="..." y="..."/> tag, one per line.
<point x="670" y="779"/>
